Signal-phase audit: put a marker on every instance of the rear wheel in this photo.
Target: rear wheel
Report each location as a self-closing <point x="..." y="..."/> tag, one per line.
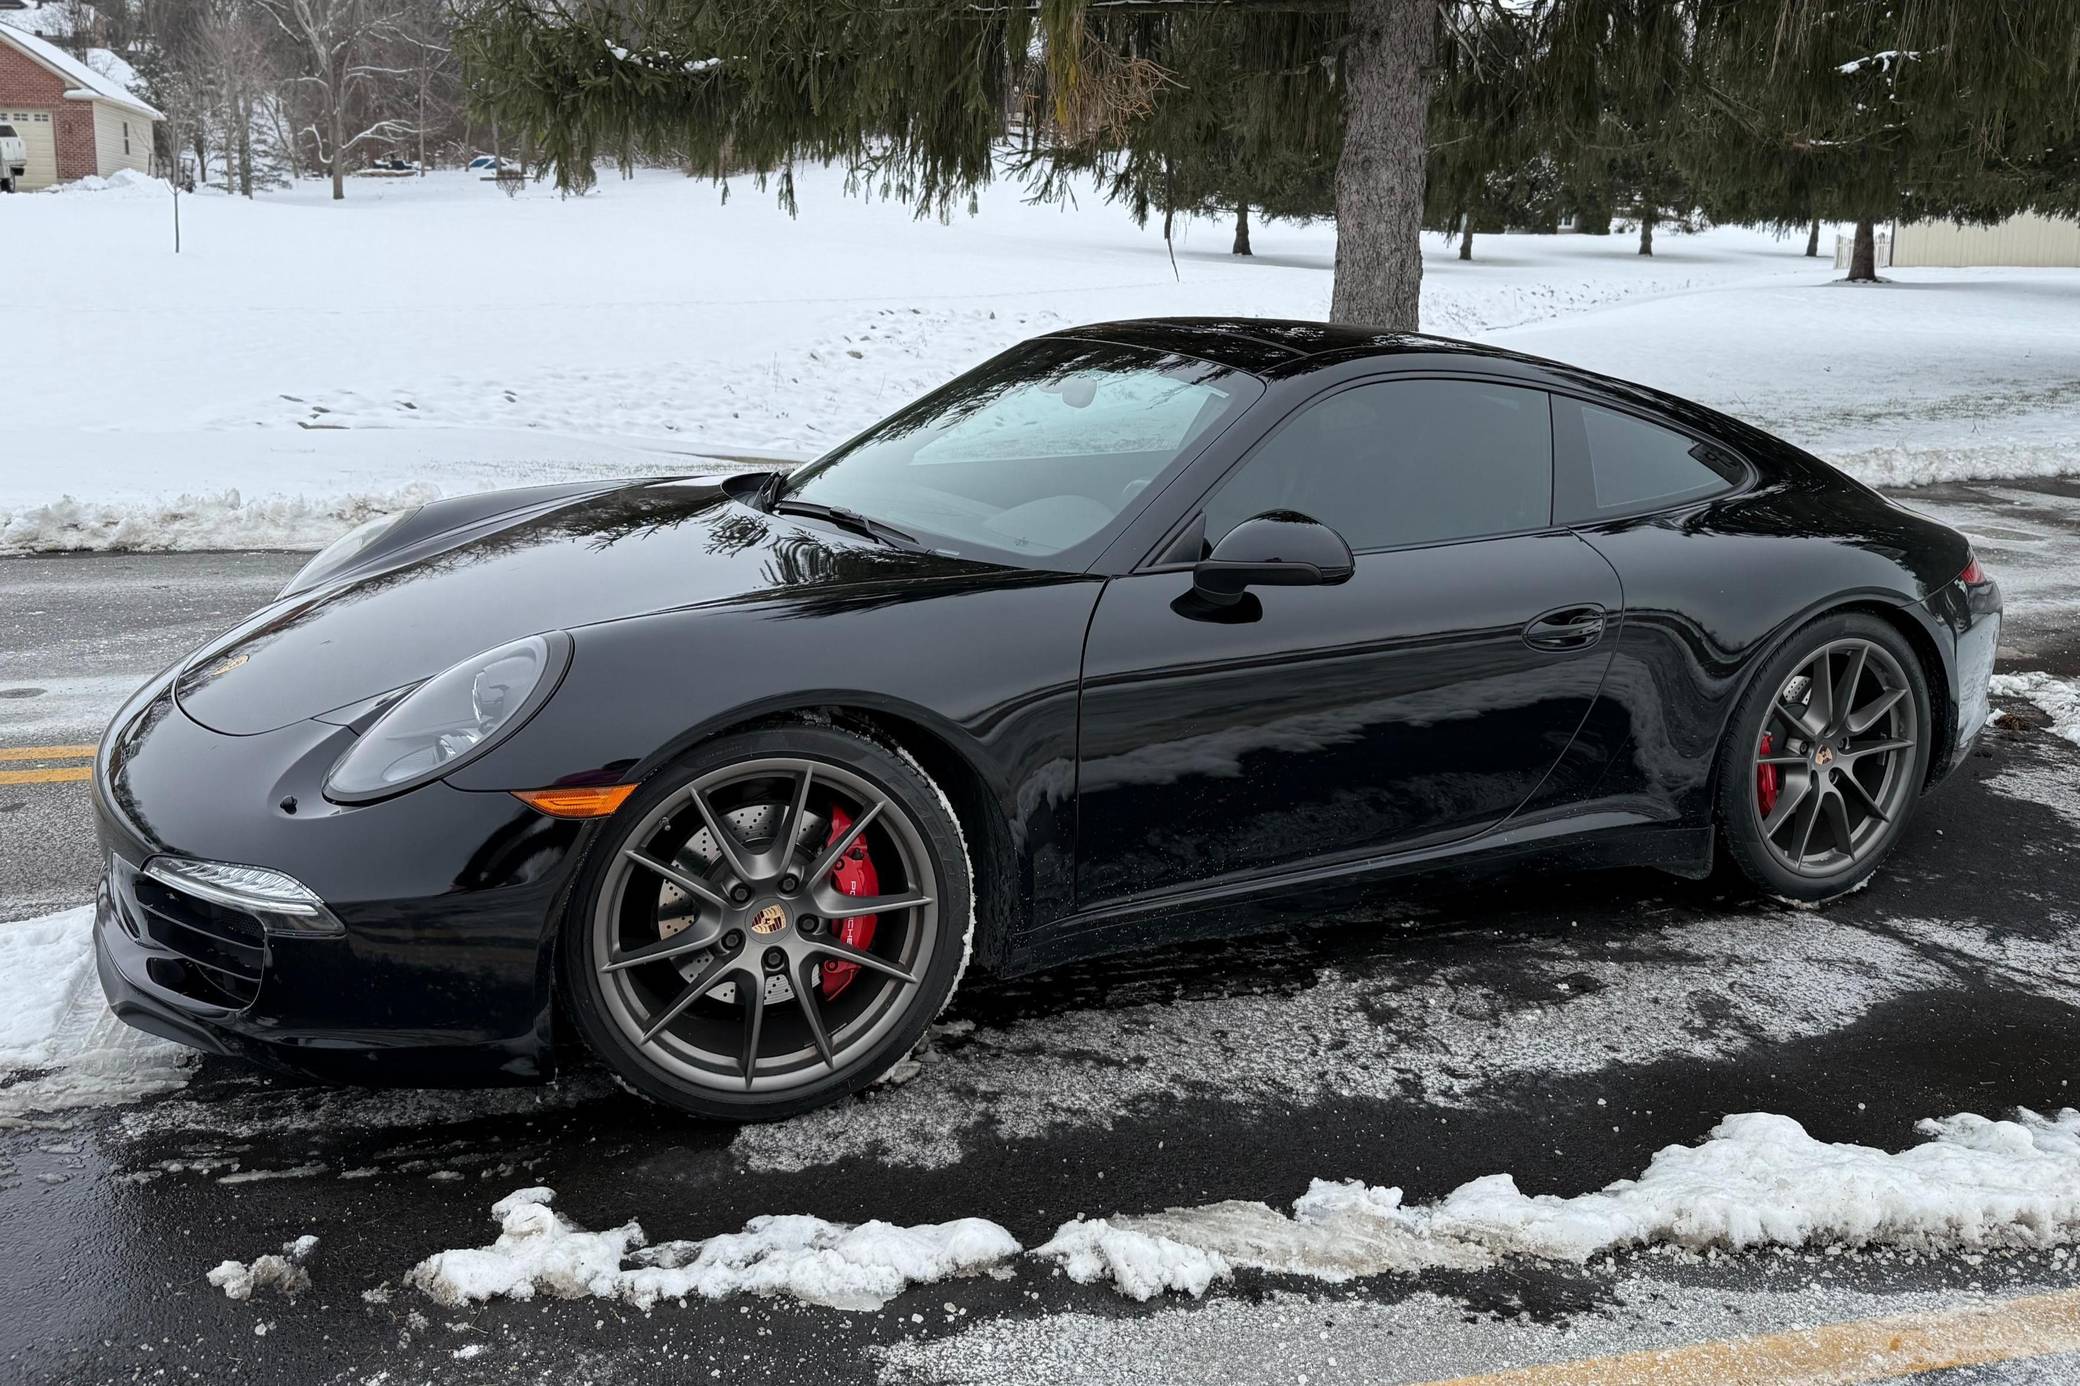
<point x="1825" y="758"/>
<point x="772" y="925"/>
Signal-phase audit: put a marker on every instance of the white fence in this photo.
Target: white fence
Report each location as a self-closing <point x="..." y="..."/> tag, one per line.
<point x="1845" y="250"/>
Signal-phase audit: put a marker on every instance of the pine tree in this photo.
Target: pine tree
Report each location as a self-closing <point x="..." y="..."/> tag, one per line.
<point x="1870" y="110"/>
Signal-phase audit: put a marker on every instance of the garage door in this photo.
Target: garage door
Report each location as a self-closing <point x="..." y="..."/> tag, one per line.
<point x="39" y="134"/>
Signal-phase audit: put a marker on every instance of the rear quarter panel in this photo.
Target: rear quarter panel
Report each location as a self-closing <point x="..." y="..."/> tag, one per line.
<point x="1711" y="589"/>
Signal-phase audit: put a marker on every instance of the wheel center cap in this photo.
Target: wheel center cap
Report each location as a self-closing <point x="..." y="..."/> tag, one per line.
<point x="770" y="920"/>
<point x="1824" y="757"/>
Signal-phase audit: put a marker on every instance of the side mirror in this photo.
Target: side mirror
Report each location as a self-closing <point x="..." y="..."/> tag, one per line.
<point x="1279" y="548"/>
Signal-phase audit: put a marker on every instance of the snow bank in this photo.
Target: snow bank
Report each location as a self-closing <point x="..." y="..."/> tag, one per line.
<point x="1900" y="465"/>
<point x="284" y="1273"/>
<point x="2058" y="697"/>
<point x="1756" y="1180"/>
<point x="59" y="1044"/>
<point x="539" y="1250"/>
<point x="190" y="522"/>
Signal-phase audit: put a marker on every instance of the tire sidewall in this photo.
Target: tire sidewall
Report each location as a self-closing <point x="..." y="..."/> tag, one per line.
<point x="896" y="775"/>
<point x="1736" y="778"/>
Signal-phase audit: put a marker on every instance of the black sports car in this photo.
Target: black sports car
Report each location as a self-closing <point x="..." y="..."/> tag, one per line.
<point x="1134" y="632"/>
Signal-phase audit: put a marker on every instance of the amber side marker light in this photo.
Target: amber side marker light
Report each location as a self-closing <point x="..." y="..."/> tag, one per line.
<point x="576" y="801"/>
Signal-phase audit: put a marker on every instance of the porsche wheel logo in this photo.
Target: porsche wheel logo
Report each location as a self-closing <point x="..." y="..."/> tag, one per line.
<point x="770" y="920"/>
<point x="1824" y="757"/>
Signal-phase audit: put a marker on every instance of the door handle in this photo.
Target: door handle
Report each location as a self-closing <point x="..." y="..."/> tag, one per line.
<point x="1566" y="628"/>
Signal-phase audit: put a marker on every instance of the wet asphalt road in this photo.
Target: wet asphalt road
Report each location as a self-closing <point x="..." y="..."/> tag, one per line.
<point x="1562" y="1030"/>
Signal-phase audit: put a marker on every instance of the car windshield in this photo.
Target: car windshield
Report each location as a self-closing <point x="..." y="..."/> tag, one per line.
<point x="1034" y="455"/>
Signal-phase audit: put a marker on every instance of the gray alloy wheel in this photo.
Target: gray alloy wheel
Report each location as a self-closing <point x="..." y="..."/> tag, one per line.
<point x="1826" y="758"/>
<point x="1841" y="739"/>
<point x="715" y="971"/>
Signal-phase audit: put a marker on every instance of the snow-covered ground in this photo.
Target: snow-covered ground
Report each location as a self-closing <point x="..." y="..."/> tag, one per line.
<point x="303" y="363"/>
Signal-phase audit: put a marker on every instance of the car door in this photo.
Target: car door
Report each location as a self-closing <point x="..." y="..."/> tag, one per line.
<point x="1423" y="700"/>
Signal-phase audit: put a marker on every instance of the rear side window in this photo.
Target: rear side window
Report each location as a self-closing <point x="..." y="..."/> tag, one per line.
<point x="6" y="132"/>
<point x="1403" y="462"/>
<point x="1612" y="463"/>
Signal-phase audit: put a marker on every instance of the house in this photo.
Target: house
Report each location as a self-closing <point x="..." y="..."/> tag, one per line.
<point x="77" y="119"/>
<point x="2026" y="239"/>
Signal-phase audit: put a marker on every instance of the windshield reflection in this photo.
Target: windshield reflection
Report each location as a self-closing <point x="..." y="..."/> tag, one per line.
<point x="1036" y="454"/>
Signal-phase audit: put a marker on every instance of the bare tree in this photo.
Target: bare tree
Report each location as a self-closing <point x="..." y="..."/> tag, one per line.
<point x="337" y="39"/>
<point x="234" y="53"/>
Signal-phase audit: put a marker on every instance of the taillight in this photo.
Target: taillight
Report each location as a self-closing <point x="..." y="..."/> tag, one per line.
<point x="1973" y="575"/>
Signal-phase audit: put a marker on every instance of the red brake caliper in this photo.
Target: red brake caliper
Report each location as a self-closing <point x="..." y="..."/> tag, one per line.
<point x="1768" y="778"/>
<point x="854" y="875"/>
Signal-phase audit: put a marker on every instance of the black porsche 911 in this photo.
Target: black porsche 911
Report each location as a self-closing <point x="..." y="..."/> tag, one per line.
<point x="1134" y="633"/>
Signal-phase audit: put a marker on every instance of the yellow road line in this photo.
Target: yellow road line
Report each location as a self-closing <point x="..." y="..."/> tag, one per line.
<point x="44" y="752"/>
<point x="1835" y="1354"/>
<point x="57" y="774"/>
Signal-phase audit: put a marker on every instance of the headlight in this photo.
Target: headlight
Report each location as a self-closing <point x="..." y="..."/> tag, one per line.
<point x="451" y="719"/>
<point x="344" y="550"/>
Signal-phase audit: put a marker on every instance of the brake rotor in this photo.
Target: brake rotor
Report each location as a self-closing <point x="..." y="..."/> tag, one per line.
<point x="755" y="824"/>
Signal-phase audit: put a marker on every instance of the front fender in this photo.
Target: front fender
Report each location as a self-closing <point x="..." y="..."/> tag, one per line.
<point x="990" y="667"/>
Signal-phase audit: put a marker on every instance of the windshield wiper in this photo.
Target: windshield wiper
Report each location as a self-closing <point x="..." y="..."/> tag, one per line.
<point x="851" y="519"/>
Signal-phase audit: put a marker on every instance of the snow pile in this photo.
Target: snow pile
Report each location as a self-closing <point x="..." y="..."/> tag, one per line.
<point x="1756" y="1180"/>
<point x="539" y="1250"/>
<point x="1142" y="1264"/>
<point x="284" y="1273"/>
<point x="124" y="182"/>
<point x="1761" y="1180"/>
<point x="188" y="522"/>
<point x="2058" y="697"/>
<point x="59" y="1044"/>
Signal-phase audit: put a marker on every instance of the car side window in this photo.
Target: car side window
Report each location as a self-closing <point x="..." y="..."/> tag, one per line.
<point x="1612" y="463"/>
<point x="1402" y="462"/>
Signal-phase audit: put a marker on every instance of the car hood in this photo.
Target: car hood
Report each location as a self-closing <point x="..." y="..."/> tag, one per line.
<point x="644" y="548"/>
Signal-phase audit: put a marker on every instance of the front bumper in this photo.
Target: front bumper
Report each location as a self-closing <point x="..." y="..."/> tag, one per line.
<point x="447" y="902"/>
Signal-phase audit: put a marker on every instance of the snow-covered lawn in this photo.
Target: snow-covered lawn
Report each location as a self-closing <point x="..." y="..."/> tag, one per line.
<point x="302" y="363"/>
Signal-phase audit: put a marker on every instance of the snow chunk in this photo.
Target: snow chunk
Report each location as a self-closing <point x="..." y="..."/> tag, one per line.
<point x="2059" y="697"/>
<point x="59" y="1044"/>
<point x="282" y="1273"/>
<point x="863" y="1267"/>
<point x="1141" y="1265"/>
<point x="1757" y="1180"/>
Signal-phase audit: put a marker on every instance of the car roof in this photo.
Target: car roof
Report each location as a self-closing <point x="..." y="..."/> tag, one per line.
<point x="1284" y="347"/>
<point x="1260" y="345"/>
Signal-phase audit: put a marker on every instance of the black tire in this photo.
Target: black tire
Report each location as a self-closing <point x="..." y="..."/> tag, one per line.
<point x="831" y="1047"/>
<point x="1859" y="794"/>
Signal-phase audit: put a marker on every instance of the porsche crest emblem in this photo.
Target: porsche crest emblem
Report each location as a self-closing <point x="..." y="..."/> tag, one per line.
<point x="1824" y="757"/>
<point x="770" y="920"/>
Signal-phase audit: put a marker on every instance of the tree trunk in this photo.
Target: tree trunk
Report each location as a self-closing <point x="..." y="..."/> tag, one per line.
<point x="1646" y="232"/>
<point x="1379" y="179"/>
<point x="245" y="147"/>
<point x="1466" y="235"/>
<point x="1241" y="229"/>
<point x="339" y="155"/>
<point x="1863" y="261"/>
<point x="1813" y="240"/>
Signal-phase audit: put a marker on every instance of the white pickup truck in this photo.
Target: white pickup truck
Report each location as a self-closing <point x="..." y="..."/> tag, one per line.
<point x="14" y="158"/>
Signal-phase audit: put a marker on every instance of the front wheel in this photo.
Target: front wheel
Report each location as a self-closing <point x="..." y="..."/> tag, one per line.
<point x="770" y="924"/>
<point x="1825" y="758"/>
